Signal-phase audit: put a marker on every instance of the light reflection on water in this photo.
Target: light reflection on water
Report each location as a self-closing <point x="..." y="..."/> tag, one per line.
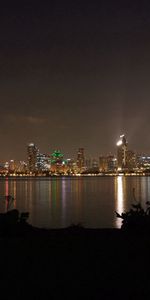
<point x="120" y="195"/>
<point x="59" y="202"/>
<point x="120" y="200"/>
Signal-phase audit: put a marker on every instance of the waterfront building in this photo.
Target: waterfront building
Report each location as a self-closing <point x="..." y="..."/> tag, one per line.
<point x="112" y="163"/>
<point x="71" y="166"/>
<point x="88" y="164"/>
<point x="103" y="164"/>
<point x="42" y="162"/>
<point x="143" y="162"/>
<point x="6" y="166"/>
<point x="95" y="166"/>
<point x="21" y="167"/>
<point x="32" y="152"/>
<point x="80" y="160"/>
<point x="12" y="166"/>
<point x="107" y="163"/>
<point x="122" y="147"/>
<point x="2" y="169"/>
<point x="58" y="164"/>
<point x="130" y="160"/>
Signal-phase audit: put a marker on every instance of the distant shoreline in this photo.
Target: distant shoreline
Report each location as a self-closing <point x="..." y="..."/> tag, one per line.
<point x="72" y="176"/>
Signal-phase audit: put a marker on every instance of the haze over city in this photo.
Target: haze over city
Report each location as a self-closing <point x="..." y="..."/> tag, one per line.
<point x="74" y="75"/>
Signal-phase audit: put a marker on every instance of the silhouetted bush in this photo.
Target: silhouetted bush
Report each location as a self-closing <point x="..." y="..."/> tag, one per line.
<point x="12" y="220"/>
<point x="76" y="227"/>
<point x="137" y="218"/>
<point x="23" y="217"/>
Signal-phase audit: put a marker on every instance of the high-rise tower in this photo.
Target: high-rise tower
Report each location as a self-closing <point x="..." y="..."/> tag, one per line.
<point x="32" y="152"/>
<point x="122" y="152"/>
<point x="80" y="159"/>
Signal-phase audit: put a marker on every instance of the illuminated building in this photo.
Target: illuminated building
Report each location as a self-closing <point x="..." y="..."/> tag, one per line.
<point x="80" y="160"/>
<point x="143" y="162"/>
<point x="130" y="160"/>
<point x="103" y="164"/>
<point x="91" y="166"/>
<point x="42" y="162"/>
<point x="107" y="163"/>
<point x="126" y="159"/>
<point x="21" y="167"/>
<point x="12" y="166"/>
<point x="58" y="164"/>
<point x="122" y="153"/>
<point x="112" y="163"/>
<point x="95" y="167"/>
<point x="2" y="169"/>
<point x="32" y="152"/>
<point x="71" y="166"/>
<point x="6" y="166"/>
<point x="88" y="164"/>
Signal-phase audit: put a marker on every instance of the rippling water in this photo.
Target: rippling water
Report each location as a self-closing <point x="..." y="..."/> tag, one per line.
<point x="61" y="201"/>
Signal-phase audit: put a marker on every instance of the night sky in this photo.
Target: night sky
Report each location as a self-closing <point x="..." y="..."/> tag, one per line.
<point x="74" y="74"/>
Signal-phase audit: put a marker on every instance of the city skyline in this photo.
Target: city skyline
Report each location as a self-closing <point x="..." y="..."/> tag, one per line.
<point x="77" y="152"/>
<point x="74" y="153"/>
<point x="56" y="162"/>
<point x="74" y="75"/>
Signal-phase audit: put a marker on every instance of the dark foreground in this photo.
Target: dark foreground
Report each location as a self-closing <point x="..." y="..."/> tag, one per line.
<point x="75" y="263"/>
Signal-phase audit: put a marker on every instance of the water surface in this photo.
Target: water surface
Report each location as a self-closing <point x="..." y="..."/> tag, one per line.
<point x="61" y="201"/>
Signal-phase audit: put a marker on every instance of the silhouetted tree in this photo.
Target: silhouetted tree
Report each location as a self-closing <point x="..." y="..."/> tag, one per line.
<point x="136" y="218"/>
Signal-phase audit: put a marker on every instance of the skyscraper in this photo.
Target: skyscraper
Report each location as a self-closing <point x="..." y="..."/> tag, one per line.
<point x="80" y="159"/>
<point x="58" y="164"/>
<point x="122" y="152"/>
<point x="32" y="152"/>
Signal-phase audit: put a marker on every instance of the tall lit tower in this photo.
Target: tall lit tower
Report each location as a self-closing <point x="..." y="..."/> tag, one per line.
<point x="122" y="152"/>
<point x="80" y="159"/>
<point x="32" y="152"/>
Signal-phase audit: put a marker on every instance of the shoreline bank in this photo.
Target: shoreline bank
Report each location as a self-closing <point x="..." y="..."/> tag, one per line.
<point x="73" y="262"/>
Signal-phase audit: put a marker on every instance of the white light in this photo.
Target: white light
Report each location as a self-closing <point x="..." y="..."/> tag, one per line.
<point x="120" y="199"/>
<point x="119" y="143"/>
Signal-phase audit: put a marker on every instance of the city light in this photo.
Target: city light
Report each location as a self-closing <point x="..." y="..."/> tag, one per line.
<point x="123" y="162"/>
<point x="119" y="143"/>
